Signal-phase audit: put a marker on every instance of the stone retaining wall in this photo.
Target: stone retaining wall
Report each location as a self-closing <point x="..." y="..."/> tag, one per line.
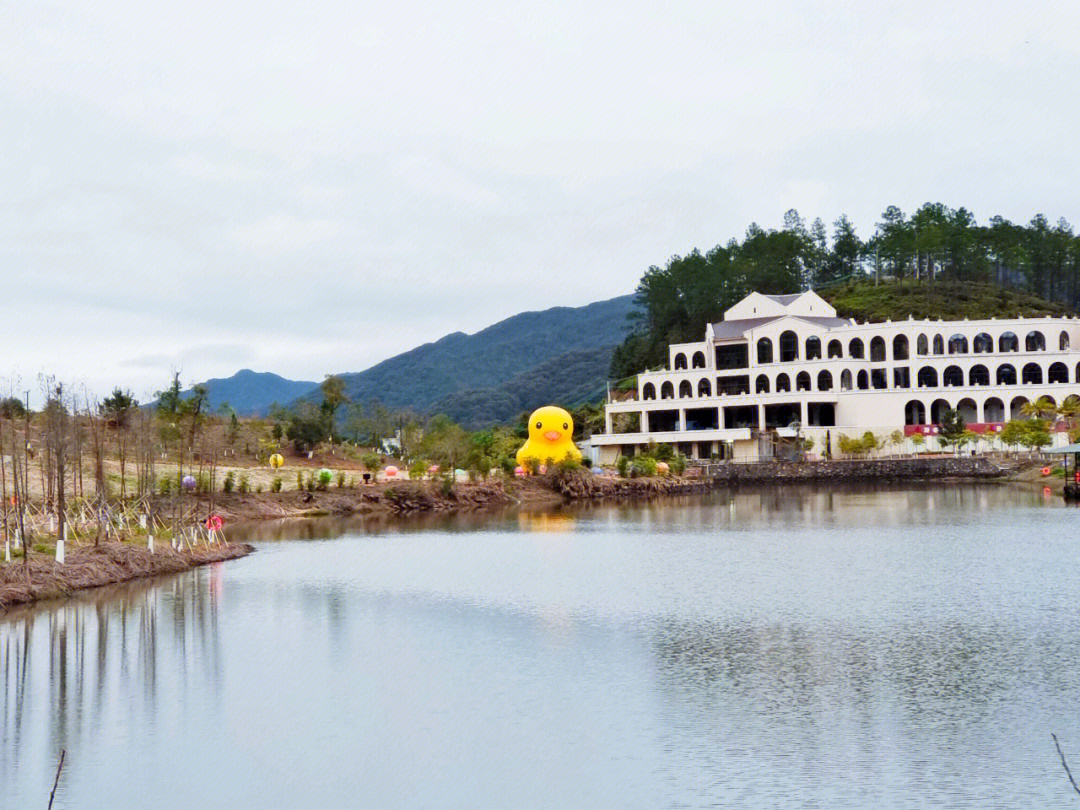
<point x="897" y="469"/>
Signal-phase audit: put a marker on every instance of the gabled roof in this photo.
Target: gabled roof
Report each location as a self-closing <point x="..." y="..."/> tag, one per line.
<point x="784" y="300"/>
<point x="727" y="330"/>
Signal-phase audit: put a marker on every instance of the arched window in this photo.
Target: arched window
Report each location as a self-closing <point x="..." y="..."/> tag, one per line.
<point x="952" y="376"/>
<point x="914" y="413"/>
<point x="1016" y="407"/>
<point x="979" y="375"/>
<point x="685" y="389"/>
<point x="680" y="361"/>
<point x="789" y="347"/>
<point x="1006" y="374"/>
<point x="1035" y="342"/>
<point x="802" y="381"/>
<point x="939" y="344"/>
<point x="824" y="381"/>
<point x="667" y="390"/>
<point x="900" y="347"/>
<point x="937" y="411"/>
<point x="993" y="410"/>
<point x="783" y="383"/>
<point x="698" y="360"/>
<point x="862" y="380"/>
<point x="764" y="351"/>
<point x="958" y="344"/>
<point x="648" y="391"/>
<point x="1032" y="374"/>
<point x="855" y="349"/>
<point x="877" y="350"/>
<point x="1063" y="342"/>
<point x="813" y="348"/>
<point x="922" y="345"/>
<point x="982" y="343"/>
<point x="927" y="377"/>
<point x="704" y="389"/>
<point x="845" y="380"/>
<point x="761" y="386"/>
<point x="1008" y="342"/>
<point x="1057" y="373"/>
<point x="968" y="410"/>
<point x="835" y="349"/>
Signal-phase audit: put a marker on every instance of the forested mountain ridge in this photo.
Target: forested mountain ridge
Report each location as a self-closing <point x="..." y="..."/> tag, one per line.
<point x="941" y="251"/>
<point x="252" y="392"/>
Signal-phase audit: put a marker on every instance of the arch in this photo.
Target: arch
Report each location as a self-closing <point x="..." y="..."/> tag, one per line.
<point x="855" y="348"/>
<point x="698" y="360"/>
<point x="824" y="381"/>
<point x="764" y="351"/>
<point x="952" y="377"/>
<point x="978" y="375"/>
<point x="900" y="347"/>
<point x="802" y="381"/>
<point x="922" y="345"/>
<point x="1049" y="399"/>
<point x="813" y="348"/>
<point x="783" y="383"/>
<point x="877" y="349"/>
<point x="1057" y="373"/>
<point x="1063" y="341"/>
<point x="686" y="389"/>
<point x="862" y="380"/>
<point x="968" y="410"/>
<point x="667" y="390"/>
<point x="1016" y="407"/>
<point x="1008" y="342"/>
<point x="914" y="413"/>
<point x="939" y="344"/>
<point x="937" y="410"/>
<point x="845" y="380"/>
<point x="958" y="344"/>
<point x="704" y="387"/>
<point x="993" y="410"/>
<point x="761" y="385"/>
<point x="836" y="349"/>
<point x="1035" y="342"/>
<point x="983" y="343"/>
<point x="927" y="377"/>
<point x="1006" y="374"/>
<point x="680" y="362"/>
<point x="1031" y="374"/>
<point x="648" y="391"/>
<point x="789" y="347"/>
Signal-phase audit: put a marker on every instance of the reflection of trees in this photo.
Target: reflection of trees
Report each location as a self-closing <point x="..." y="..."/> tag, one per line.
<point x="65" y="668"/>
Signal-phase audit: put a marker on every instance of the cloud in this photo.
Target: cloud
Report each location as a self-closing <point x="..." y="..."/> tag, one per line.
<point x="202" y="168"/>
<point x="283" y="233"/>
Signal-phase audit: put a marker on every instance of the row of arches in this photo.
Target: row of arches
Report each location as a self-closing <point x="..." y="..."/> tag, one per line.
<point x="1034" y="341"/>
<point x="993" y="410"/>
<point x="1005" y="374"/>
<point x="697" y="360"/>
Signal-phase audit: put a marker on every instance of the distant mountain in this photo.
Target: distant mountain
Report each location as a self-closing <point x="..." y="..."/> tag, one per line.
<point x="251" y="393"/>
<point x="556" y="355"/>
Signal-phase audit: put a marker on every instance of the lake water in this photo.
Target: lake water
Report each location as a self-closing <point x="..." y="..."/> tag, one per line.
<point x="785" y="648"/>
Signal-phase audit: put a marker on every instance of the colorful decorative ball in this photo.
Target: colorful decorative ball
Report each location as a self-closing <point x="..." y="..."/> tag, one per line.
<point x="277" y="460"/>
<point x="391" y="471"/>
<point x="188" y="482"/>
<point x="663" y="468"/>
<point x="434" y="468"/>
<point x="325" y="476"/>
<point x="519" y="472"/>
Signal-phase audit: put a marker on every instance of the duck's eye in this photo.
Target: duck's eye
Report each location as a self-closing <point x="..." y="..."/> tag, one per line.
<point x="539" y="425"/>
<point x="565" y="426"/>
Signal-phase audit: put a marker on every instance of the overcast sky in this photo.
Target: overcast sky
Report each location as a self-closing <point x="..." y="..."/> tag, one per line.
<point x="311" y="187"/>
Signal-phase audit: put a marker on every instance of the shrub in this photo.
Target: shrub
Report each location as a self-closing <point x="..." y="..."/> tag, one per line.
<point x="275" y="485"/>
<point x="623" y="466"/>
<point x="568" y="464"/>
<point x="586" y="462"/>
<point x="643" y="467"/>
<point x="229" y="484"/>
<point x="259" y="489"/>
<point x="446" y="485"/>
<point x="418" y="469"/>
<point x="532" y="465"/>
<point x="310" y="484"/>
<point x="323" y="480"/>
<point x="299" y="480"/>
<point x="341" y="480"/>
<point x="165" y="485"/>
<point x="678" y="464"/>
<point x="371" y="461"/>
<point x="245" y="485"/>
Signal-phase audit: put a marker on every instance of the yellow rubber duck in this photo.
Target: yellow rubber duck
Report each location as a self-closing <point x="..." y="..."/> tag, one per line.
<point x="551" y="435"/>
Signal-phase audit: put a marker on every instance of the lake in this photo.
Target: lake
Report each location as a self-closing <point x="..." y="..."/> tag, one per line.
<point x="796" y="647"/>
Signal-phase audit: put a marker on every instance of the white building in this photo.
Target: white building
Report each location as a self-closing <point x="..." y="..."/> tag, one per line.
<point x="780" y="359"/>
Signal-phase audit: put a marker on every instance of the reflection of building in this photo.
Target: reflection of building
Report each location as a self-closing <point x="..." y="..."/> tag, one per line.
<point x="777" y="360"/>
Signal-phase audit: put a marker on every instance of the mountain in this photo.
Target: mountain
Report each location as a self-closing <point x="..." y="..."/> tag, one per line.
<point x="556" y="355"/>
<point x="252" y="392"/>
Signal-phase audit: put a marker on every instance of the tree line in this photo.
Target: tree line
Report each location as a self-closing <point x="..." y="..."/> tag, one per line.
<point x="933" y="245"/>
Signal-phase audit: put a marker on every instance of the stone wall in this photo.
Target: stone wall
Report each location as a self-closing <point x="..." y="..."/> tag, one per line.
<point x="897" y="469"/>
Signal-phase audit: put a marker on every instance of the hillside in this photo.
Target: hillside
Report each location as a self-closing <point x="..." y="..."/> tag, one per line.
<point x="947" y="300"/>
<point x="555" y="354"/>
<point x="252" y="392"/>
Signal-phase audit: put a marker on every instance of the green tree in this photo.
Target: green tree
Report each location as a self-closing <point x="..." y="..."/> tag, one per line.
<point x="952" y="429"/>
<point x="333" y="397"/>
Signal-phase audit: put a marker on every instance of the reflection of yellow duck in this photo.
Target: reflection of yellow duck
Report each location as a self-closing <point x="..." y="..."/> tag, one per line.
<point x="551" y="435"/>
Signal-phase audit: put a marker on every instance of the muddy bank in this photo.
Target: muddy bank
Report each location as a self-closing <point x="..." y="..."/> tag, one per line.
<point x="109" y="564"/>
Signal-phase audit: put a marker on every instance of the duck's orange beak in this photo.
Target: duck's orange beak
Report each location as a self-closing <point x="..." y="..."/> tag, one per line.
<point x="553" y="435"/>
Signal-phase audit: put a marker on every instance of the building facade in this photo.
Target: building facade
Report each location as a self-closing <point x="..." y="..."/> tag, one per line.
<point x="778" y="365"/>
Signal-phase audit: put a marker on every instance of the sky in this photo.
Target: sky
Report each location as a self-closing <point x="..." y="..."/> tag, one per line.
<point x="309" y="188"/>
